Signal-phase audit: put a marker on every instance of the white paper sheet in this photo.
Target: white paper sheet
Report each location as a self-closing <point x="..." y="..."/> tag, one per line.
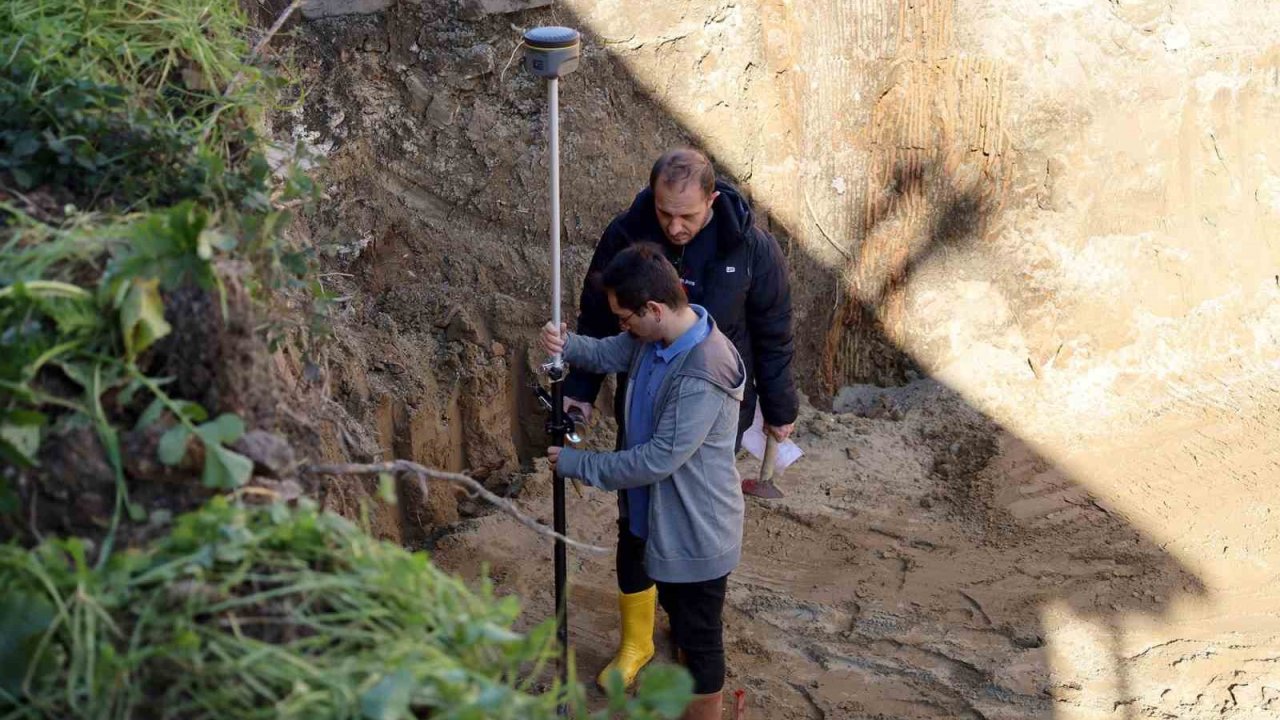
<point x="753" y="441"/>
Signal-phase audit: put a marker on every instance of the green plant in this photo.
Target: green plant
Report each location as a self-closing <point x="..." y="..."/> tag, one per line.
<point x="130" y="103"/>
<point x="272" y="612"/>
<point x="137" y="117"/>
<point x="95" y="337"/>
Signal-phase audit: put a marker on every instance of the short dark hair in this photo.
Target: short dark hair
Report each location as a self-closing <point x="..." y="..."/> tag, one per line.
<point x="641" y="274"/>
<point x="677" y="168"/>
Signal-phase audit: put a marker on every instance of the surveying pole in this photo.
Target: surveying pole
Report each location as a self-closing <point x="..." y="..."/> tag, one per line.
<point x="551" y="53"/>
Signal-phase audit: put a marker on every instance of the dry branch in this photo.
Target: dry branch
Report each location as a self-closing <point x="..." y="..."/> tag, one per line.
<point x="818" y="224"/>
<point x="262" y="43"/>
<point x="423" y="474"/>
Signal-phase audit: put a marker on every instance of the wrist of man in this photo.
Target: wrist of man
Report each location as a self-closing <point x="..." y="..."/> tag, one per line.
<point x="774" y="422"/>
<point x="570" y="462"/>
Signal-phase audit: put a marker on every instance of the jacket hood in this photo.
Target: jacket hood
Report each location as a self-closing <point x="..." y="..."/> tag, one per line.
<point x="716" y="360"/>
<point x="640" y="222"/>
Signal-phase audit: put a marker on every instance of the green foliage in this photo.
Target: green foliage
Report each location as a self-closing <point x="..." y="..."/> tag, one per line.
<point x="20" y="436"/>
<point x="223" y="469"/>
<point x="94" y="337"/>
<point x="138" y="118"/>
<point x="85" y="139"/>
<point x="269" y="613"/>
<point x="130" y="102"/>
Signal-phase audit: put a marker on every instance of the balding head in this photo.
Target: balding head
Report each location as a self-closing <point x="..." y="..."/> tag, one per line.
<point x="678" y="169"/>
<point x="684" y="189"/>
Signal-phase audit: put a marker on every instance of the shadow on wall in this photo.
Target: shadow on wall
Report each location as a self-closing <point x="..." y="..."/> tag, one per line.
<point x="950" y="218"/>
<point x="1037" y="541"/>
<point x="1031" y="539"/>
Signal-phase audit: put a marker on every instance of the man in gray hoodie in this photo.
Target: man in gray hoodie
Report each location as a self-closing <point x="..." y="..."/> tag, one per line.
<point x="683" y="496"/>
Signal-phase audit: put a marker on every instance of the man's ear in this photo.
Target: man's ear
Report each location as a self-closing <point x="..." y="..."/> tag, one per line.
<point x="655" y="308"/>
<point x="714" y="195"/>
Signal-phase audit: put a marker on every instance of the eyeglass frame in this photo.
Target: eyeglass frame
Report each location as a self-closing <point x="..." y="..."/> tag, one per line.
<point x="624" y="322"/>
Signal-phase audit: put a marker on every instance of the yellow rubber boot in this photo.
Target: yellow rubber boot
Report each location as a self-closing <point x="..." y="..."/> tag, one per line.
<point x="636" y="649"/>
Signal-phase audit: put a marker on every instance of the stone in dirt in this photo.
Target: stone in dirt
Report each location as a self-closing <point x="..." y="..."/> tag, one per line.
<point x="271" y="454"/>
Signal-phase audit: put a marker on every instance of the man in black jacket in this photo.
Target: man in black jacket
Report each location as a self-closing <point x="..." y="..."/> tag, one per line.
<point x="737" y="272"/>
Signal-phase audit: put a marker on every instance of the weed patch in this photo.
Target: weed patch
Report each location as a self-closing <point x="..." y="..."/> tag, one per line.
<point x="275" y="613"/>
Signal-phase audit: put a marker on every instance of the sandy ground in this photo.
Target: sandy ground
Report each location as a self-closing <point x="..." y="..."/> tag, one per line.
<point x="927" y="564"/>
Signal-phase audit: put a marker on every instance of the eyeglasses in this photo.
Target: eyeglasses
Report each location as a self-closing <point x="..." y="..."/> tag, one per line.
<point x="625" y="321"/>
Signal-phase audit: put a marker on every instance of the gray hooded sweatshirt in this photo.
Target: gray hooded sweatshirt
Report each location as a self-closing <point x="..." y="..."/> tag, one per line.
<point x="695" y="493"/>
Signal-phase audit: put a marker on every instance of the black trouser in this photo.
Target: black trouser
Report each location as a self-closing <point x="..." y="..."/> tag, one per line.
<point x="696" y="610"/>
<point x="629" y="563"/>
<point x="697" y="626"/>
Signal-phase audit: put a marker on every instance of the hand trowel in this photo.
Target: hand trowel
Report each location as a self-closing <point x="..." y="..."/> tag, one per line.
<point x="764" y="487"/>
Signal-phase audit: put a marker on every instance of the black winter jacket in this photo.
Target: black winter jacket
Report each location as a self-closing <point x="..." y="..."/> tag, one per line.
<point x="737" y="272"/>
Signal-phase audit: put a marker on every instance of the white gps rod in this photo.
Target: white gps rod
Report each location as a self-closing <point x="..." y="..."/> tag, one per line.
<point x="551" y="53"/>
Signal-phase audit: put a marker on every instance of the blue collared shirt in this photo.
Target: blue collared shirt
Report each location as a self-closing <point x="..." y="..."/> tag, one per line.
<point x="655" y="360"/>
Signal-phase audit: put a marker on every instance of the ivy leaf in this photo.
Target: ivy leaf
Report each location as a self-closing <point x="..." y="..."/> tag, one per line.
<point x="24" y="179"/>
<point x="389" y="699"/>
<point x="142" y="316"/>
<point x="85" y="156"/>
<point x="173" y="445"/>
<point x="24" y="618"/>
<point x="26" y="144"/>
<point x="150" y="415"/>
<point x="295" y="263"/>
<point x="209" y="239"/>
<point x="192" y="411"/>
<point x="226" y="428"/>
<point x="20" y="436"/>
<point x="127" y="394"/>
<point x="9" y="502"/>
<point x="55" y="143"/>
<point x="225" y="469"/>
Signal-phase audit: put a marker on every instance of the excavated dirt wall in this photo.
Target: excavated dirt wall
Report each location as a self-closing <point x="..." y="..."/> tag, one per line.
<point x="1055" y="225"/>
